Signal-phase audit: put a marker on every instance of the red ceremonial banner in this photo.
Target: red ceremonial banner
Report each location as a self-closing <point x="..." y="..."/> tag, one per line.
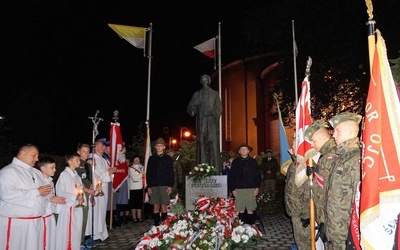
<point x="303" y="121"/>
<point x="380" y="185"/>
<point x="117" y="156"/>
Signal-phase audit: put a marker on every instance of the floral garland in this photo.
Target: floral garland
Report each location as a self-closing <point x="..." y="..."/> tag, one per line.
<point x="201" y="171"/>
<point x="213" y="225"/>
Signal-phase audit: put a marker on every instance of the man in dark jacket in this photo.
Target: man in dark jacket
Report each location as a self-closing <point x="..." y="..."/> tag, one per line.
<point x="245" y="181"/>
<point x="160" y="179"/>
<point x="270" y="168"/>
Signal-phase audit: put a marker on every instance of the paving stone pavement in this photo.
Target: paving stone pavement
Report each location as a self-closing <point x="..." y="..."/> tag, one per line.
<point x="277" y="234"/>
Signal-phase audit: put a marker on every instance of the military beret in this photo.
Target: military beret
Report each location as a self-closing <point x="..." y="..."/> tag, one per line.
<point x="244" y="145"/>
<point x="343" y="117"/>
<point x="160" y="141"/>
<point x="314" y="127"/>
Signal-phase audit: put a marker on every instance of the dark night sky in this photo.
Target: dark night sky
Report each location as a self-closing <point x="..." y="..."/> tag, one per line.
<point x="56" y="55"/>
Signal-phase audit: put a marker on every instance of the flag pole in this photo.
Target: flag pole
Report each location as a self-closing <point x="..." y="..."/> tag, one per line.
<point x="371" y="42"/>
<point x="294" y="62"/>
<point x="310" y="163"/>
<point x="147" y="139"/>
<point x="312" y="213"/>
<point x="219" y="84"/>
<point x="149" y="74"/>
<point x="115" y="118"/>
<point x="149" y="78"/>
<point x="148" y="91"/>
<point x="371" y="33"/>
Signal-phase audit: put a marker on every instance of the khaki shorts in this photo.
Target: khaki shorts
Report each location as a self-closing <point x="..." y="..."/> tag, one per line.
<point x="159" y="195"/>
<point x="245" y="199"/>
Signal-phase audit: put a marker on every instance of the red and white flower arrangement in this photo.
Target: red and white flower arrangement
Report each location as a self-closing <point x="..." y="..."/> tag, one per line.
<point x="213" y="224"/>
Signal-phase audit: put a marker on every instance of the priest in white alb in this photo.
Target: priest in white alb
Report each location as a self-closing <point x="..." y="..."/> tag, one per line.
<point x="22" y="202"/>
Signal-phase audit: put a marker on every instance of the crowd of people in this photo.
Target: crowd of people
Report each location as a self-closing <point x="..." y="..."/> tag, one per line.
<point x="30" y="200"/>
<point x="336" y="175"/>
<point x="71" y="214"/>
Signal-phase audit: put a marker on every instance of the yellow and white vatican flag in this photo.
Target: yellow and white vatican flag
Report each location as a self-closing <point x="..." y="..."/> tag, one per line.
<point x="134" y="35"/>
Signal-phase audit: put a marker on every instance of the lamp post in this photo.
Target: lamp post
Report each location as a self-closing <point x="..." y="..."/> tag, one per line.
<point x="184" y="132"/>
<point x="172" y="142"/>
<point x="180" y="133"/>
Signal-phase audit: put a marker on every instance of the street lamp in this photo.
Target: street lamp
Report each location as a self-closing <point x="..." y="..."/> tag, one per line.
<point x="184" y="132"/>
<point x="172" y="142"/>
<point x="2" y="119"/>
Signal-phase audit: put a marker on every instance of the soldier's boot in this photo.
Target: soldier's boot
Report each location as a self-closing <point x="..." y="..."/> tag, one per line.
<point x="156" y="217"/>
<point x="242" y="217"/>
<point x="163" y="216"/>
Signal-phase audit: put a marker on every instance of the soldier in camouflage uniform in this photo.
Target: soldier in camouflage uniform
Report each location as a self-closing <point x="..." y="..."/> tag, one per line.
<point x="297" y="203"/>
<point x="321" y="141"/>
<point x="177" y="169"/>
<point x="343" y="179"/>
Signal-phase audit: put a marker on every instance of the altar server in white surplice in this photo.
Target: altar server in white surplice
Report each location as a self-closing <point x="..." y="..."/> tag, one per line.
<point x="47" y="166"/>
<point x="69" y="223"/>
<point x="22" y="202"/>
<point x="102" y="172"/>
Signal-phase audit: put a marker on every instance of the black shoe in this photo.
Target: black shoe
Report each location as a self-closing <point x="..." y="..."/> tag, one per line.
<point x="116" y="221"/>
<point x="125" y="220"/>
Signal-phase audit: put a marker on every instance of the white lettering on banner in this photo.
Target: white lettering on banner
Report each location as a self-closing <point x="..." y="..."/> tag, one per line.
<point x="376" y="139"/>
<point x="373" y="115"/>
<point x="390" y="228"/>
<point x="369" y="160"/>
<point x="388" y="176"/>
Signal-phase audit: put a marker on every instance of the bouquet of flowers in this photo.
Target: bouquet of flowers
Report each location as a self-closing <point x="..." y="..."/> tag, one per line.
<point x="244" y="236"/>
<point x="213" y="225"/>
<point x="202" y="171"/>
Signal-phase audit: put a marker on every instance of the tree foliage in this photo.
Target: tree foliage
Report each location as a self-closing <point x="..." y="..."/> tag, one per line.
<point x="333" y="89"/>
<point x="137" y="146"/>
<point x="339" y="75"/>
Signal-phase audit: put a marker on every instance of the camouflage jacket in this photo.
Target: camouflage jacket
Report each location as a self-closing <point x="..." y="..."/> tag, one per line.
<point x="297" y="199"/>
<point x="323" y="168"/>
<point x="342" y="184"/>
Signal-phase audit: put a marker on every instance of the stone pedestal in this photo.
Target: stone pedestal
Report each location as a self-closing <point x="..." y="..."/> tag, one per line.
<point x="216" y="186"/>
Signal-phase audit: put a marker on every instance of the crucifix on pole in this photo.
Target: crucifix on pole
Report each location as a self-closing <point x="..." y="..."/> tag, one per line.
<point x="95" y="120"/>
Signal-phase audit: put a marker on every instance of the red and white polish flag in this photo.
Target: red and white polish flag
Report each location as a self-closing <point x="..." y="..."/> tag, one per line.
<point x="207" y="48"/>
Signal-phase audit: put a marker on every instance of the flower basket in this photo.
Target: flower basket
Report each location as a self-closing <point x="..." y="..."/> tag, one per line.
<point x="201" y="172"/>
